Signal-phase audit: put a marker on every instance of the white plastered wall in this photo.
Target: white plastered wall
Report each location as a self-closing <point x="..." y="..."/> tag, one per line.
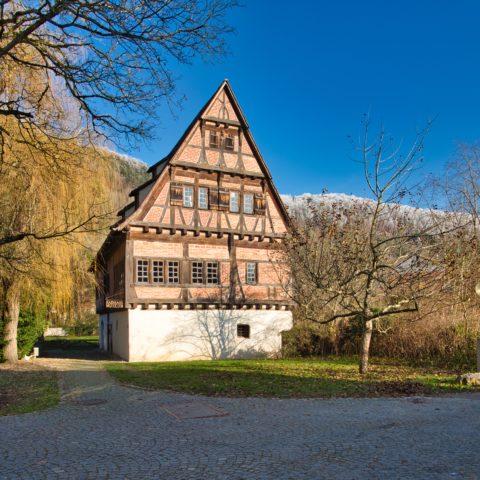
<point x="165" y="335"/>
<point x="120" y="334"/>
<point x="119" y="323"/>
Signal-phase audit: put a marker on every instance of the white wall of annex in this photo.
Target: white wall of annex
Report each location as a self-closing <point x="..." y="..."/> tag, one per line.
<point x="167" y="335"/>
<point x="120" y="328"/>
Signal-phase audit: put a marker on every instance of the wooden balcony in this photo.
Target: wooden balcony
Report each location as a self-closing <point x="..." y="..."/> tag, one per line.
<point x="117" y="300"/>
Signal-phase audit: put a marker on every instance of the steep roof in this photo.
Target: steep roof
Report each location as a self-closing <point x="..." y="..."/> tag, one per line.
<point x="224" y="86"/>
<point x="156" y="171"/>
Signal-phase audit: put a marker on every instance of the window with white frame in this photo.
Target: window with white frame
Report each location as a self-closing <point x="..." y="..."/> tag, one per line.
<point x="212" y="273"/>
<point x="251" y="271"/>
<point x="197" y="272"/>
<point x="173" y="271"/>
<point x="248" y="203"/>
<point x="203" y="198"/>
<point x="234" y="202"/>
<point x="187" y="196"/>
<point x="157" y="271"/>
<point x="142" y="271"/>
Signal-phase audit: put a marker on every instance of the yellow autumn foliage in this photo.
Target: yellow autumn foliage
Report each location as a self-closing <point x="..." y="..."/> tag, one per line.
<point x="55" y="195"/>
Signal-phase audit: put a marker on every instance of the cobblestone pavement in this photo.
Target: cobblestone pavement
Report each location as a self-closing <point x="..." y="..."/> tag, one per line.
<point x="128" y="433"/>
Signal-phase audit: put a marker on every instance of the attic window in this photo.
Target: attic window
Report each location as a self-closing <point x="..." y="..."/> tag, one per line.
<point x="213" y="198"/>
<point x="157" y="271"/>
<point x="251" y="273"/>
<point x="203" y="198"/>
<point x="214" y="139"/>
<point x="223" y="200"/>
<point x="234" y="202"/>
<point x="176" y="194"/>
<point x="248" y="203"/>
<point x="197" y="272"/>
<point x="260" y="204"/>
<point x="243" y="330"/>
<point x="229" y="142"/>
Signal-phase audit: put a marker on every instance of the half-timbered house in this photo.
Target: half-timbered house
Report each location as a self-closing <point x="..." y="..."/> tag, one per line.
<point x="193" y="268"/>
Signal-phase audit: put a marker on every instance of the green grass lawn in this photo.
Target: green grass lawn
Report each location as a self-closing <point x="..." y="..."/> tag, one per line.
<point x="25" y="388"/>
<point x="300" y="378"/>
<point x="70" y="345"/>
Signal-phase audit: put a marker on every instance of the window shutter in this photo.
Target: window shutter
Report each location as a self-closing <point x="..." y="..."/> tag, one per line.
<point x="176" y="194"/>
<point x="213" y="198"/>
<point x="260" y="203"/>
<point x="229" y="142"/>
<point x="214" y="139"/>
<point x="223" y="200"/>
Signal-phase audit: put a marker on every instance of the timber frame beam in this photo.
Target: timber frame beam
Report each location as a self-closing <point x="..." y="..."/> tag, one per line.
<point x="155" y="228"/>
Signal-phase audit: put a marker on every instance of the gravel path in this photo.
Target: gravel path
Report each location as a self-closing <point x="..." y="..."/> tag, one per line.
<point x="103" y="430"/>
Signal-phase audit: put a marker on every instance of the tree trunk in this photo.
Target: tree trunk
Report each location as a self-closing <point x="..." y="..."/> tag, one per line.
<point x="12" y="300"/>
<point x="365" y="353"/>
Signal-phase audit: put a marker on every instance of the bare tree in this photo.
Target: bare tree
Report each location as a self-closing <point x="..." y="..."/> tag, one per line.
<point x="461" y="183"/>
<point x="459" y="187"/>
<point x="113" y="58"/>
<point x="48" y="220"/>
<point x="368" y="261"/>
<point x="74" y="70"/>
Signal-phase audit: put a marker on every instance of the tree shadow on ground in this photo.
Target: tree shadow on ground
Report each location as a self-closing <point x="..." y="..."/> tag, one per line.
<point x="238" y="379"/>
<point x="83" y="348"/>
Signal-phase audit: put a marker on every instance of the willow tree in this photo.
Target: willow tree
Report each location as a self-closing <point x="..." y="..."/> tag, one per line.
<point x="68" y="205"/>
<point x="53" y="194"/>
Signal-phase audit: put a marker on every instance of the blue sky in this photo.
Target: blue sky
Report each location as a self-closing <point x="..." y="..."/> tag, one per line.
<point x="304" y="73"/>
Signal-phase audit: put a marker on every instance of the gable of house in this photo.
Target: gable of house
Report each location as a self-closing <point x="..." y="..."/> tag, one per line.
<point x="218" y="146"/>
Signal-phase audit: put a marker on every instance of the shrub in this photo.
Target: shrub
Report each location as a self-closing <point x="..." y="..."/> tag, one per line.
<point x="437" y="342"/>
<point x="31" y="326"/>
<point x="86" y="326"/>
<point x="305" y="340"/>
<point x="446" y="346"/>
